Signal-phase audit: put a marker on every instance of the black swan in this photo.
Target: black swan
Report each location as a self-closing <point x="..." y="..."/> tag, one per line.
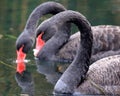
<point x="105" y="79"/>
<point x="105" y="41"/>
<point x="102" y="78"/>
<point x="52" y="46"/>
<point x="27" y="37"/>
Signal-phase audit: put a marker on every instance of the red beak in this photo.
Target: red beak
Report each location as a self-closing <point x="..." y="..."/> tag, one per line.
<point x="39" y="44"/>
<point x="20" y="61"/>
<point x="21" y="67"/>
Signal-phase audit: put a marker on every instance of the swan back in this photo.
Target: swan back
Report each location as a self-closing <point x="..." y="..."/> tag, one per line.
<point x="103" y="77"/>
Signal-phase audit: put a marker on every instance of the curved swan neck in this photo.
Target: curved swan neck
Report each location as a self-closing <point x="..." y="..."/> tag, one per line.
<point x="84" y="27"/>
<point x="76" y="72"/>
<point x="43" y="9"/>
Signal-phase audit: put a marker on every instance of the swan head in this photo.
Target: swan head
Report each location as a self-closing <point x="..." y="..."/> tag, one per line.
<point x="47" y="28"/>
<point x="26" y="40"/>
<point x="43" y="33"/>
<point x="62" y="88"/>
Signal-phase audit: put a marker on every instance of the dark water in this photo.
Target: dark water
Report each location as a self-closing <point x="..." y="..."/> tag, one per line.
<point x="13" y="16"/>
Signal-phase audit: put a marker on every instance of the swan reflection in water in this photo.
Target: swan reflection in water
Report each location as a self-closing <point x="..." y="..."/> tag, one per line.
<point x="51" y="70"/>
<point x="26" y="82"/>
